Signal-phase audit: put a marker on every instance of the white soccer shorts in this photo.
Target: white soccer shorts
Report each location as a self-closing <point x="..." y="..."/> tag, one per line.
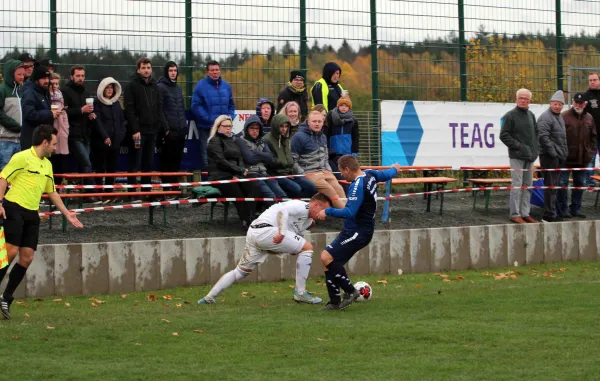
<point x="259" y="245"/>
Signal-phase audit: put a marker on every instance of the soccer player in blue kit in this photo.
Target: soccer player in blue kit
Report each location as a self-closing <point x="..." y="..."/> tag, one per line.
<point x="359" y="225"/>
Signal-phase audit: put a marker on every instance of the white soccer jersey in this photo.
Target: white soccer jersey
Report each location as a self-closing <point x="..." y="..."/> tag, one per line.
<point x="294" y="216"/>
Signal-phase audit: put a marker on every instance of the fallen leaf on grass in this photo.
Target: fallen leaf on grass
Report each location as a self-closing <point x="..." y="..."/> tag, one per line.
<point x="175" y="334"/>
<point x="318" y="281"/>
<point x="318" y="338"/>
<point x="198" y="331"/>
<point x="93" y="305"/>
<point x="548" y="275"/>
<point x="151" y="297"/>
<point x="383" y="281"/>
<point x="97" y="301"/>
<point x="248" y="294"/>
<point x="67" y="304"/>
<point x="57" y="300"/>
<point x="291" y="286"/>
<point x="26" y="315"/>
<point x="165" y="305"/>
<point x="44" y="338"/>
<point x="472" y="282"/>
<point x="419" y="285"/>
<point x="16" y="337"/>
<point x="138" y="344"/>
<point x="264" y="305"/>
<point x="178" y="305"/>
<point x="446" y="280"/>
<point x="168" y="297"/>
<point x="459" y="278"/>
<point x="50" y="327"/>
<point x="186" y="302"/>
<point x="513" y="276"/>
<point x="164" y="320"/>
<point x="21" y="303"/>
<point x="123" y="296"/>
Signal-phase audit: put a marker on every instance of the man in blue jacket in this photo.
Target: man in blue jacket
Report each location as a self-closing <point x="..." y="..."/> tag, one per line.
<point x="212" y="97"/>
<point x="36" y="106"/>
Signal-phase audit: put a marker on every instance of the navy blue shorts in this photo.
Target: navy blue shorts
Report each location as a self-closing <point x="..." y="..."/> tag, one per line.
<point x="348" y="243"/>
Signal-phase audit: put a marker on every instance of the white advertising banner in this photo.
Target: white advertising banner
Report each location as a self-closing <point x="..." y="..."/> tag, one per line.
<point x="444" y="133"/>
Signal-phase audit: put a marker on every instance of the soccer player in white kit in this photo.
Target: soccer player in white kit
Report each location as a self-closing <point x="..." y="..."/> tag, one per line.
<point x="278" y="230"/>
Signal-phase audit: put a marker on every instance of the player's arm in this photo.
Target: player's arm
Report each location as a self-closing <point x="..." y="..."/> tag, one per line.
<point x="3" y="186"/>
<point x="282" y="221"/>
<point x="387" y="174"/>
<point x="56" y="200"/>
<point x="351" y="208"/>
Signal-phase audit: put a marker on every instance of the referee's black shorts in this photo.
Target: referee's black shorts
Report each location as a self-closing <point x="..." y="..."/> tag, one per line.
<point x="21" y="226"/>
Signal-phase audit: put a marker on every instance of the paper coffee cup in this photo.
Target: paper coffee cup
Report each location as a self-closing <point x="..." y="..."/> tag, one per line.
<point x="345" y="93"/>
<point x="89" y="101"/>
<point x="54" y="107"/>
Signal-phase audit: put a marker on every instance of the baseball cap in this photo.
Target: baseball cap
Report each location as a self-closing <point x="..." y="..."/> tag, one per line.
<point x="26" y="57"/>
<point x="579" y="97"/>
<point x="48" y="62"/>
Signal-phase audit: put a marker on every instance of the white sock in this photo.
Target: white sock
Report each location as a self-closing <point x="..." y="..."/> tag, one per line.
<point x="302" y="269"/>
<point x="226" y="281"/>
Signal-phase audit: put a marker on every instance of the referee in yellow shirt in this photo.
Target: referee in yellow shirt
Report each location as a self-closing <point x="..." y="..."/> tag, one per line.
<point x="30" y="174"/>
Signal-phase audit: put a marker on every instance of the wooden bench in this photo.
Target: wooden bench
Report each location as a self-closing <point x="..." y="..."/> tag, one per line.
<point x="439" y="183"/>
<point x="597" y="179"/>
<point x="487" y="193"/>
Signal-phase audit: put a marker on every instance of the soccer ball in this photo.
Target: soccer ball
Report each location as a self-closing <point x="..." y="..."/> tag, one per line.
<point x="366" y="292"/>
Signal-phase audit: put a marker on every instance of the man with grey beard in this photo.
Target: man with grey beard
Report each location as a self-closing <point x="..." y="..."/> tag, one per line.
<point x="581" y="142"/>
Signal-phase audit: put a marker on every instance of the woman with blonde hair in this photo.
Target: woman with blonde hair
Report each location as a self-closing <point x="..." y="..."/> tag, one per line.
<point x="292" y="111"/>
<point x="59" y="157"/>
<point x="225" y="162"/>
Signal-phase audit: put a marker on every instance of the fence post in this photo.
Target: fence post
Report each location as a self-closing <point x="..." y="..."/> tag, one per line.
<point x="189" y="58"/>
<point x="303" y="40"/>
<point x="559" y="50"/>
<point x="53" y="31"/>
<point x="375" y="157"/>
<point x="462" y="47"/>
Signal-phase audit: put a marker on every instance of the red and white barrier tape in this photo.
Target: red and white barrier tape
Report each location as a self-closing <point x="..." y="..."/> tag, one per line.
<point x="170" y="185"/>
<point x="475" y="169"/>
<point x="248" y="199"/>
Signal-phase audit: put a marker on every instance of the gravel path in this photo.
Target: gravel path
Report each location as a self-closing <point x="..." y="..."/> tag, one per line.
<point x="193" y="221"/>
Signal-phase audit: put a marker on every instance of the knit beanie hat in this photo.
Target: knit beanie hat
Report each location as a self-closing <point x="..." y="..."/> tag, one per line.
<point x="296" y="74"/>
<point x="344" y="101"/>
<point x="40" y="72"/>
<point x="558" y="97"/>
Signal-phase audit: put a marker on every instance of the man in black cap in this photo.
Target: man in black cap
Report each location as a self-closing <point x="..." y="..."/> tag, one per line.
<point x="51" y="65"/>
<point x="581" y="141"/>
<point x="295" y="91"/>
<point x="36" y="106"/>
<point x="28" y="63"/>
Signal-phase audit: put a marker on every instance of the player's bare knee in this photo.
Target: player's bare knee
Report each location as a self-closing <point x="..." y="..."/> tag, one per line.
<point x="307" y="247"/>
<point x="26" y="256"/>
<point x="326" y="258"/>
<point x="244" y="271"/>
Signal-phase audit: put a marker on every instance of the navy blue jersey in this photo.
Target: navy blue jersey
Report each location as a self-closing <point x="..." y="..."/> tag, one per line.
<point x="359" y="213"/>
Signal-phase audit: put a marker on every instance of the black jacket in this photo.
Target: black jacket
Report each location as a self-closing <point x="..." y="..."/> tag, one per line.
<point x="593" y="107"/>
<point x="173" y="105"/>
<point x="143" y="107"/>
<point x="74" y="100"/>
<point x="224" y="158"/>
<point x="109" y="123"/>
<point x="36" y="111"/>
<point x="290" y="95"/>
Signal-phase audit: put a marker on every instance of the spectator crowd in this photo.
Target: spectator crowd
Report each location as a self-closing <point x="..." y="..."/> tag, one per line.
<point x="561" y="139"/>
<point x="149" y="116"/>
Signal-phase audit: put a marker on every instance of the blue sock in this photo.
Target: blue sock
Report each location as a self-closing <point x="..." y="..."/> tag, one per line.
<point x="332" y="288"/>
<point x="340" y="277"/>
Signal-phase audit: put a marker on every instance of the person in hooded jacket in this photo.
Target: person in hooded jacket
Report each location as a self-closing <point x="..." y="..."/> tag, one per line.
<point x="108" y="131"/>
<point x="342" y="132"/>
<point x="265" y="110"/>
<point x="295" y="91"/>
<point x="327" y="90"/>
<point x="257" y="156"/>
<point x="11" y="115"/>
<point x="171" y="151"/>
<point x="278" y="140"/>
<point x="311" y="158"/>
<point x="59" y="158"/>
<point x="225" y="162"/>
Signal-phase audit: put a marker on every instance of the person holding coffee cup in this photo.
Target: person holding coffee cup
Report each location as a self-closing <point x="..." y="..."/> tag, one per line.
<point x="61" y="123"/>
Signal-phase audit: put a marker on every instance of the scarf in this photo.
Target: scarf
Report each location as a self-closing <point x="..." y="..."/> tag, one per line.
<point x="338" y="118"/>
<point x="295" y="90"/>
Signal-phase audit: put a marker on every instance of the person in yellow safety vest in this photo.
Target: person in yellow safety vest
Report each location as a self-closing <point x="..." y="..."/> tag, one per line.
<point x="327" y="90"/>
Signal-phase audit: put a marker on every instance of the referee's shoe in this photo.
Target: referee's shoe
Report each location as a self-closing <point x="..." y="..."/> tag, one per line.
<point x="4" y="308"/>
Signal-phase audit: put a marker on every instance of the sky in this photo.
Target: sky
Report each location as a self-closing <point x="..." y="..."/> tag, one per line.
<point x="220" y="27"/>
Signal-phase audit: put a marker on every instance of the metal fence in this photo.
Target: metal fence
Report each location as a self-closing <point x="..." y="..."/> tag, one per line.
<point x="450" y="50"/>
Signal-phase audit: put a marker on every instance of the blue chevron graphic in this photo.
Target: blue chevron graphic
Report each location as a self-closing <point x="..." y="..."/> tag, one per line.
<point x="410" y="132"/>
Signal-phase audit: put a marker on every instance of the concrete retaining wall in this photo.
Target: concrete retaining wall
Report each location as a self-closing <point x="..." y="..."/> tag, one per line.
<point x="119" y="267"/>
